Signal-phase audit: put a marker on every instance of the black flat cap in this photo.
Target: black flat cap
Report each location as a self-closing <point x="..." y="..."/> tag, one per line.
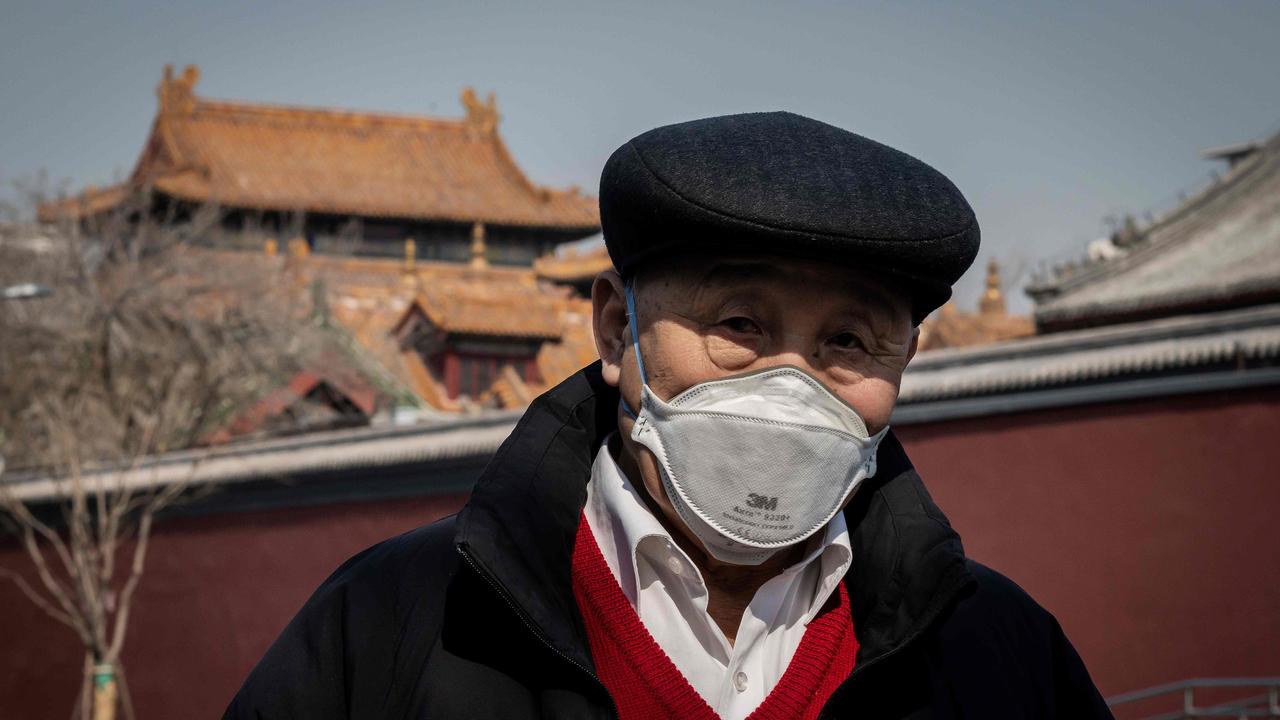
<point x="783" y="184"/>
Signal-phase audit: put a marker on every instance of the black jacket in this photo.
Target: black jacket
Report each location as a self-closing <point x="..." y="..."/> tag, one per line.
<point x="473" y="616"/>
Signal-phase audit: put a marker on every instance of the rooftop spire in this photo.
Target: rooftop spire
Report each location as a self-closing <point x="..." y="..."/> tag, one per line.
<point x="992" y="302"/>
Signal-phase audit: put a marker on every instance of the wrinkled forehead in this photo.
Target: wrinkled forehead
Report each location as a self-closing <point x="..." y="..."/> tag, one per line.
<point x="697" y="276"/>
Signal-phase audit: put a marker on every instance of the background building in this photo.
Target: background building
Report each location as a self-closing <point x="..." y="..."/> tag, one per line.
<point x="1121" y="464"/>
<point x="419" y="236"/>
<point x="351" y="183"/>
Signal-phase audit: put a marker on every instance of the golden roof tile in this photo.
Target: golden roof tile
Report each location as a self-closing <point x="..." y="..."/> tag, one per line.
<point x="91" y="201"/>
<point x="572" y="265"/>
<point x="319" y="160"/>
<point x="481" y="306"/>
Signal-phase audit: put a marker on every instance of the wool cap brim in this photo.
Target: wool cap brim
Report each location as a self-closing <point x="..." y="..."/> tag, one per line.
<point x="785" y="185"/>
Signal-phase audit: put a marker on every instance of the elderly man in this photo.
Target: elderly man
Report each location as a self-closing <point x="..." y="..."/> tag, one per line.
<point x="715" y="520"/>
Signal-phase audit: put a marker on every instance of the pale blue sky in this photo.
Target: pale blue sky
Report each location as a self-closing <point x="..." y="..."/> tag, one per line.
<point x="1047" y="116"/>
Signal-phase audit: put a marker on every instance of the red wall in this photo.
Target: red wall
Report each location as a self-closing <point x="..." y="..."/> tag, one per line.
<point x="217" y="590"/>
<point x="1148" y="528"/>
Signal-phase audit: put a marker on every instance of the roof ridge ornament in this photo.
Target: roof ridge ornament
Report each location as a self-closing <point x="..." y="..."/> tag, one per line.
<point x="1128" y="234"/>
<point x="482" y="115"/>
<point x="177" y="94"/>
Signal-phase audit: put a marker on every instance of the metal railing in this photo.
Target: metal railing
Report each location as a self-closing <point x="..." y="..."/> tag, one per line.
<point x="1263" y="704"/>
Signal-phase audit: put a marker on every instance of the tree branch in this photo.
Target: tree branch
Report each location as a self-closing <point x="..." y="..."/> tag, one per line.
<point x="23" y="517"/>
<point x="131" y="585"/>
<point x="51" y="584"/>
<point x="39" y="601"/>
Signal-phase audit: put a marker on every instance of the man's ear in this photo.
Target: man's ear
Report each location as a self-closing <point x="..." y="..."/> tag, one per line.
<point x="915" y="343"/>
<point x="609" y="323"/>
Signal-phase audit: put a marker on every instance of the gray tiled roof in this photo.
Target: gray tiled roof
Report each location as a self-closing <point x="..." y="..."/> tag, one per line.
<point x="1249" y="336"/>
<point x="1220" y="245"/>
<point x="338" y="450"/>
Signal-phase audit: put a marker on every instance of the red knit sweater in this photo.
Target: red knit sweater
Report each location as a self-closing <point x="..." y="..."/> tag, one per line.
<point x="645" y="683"/>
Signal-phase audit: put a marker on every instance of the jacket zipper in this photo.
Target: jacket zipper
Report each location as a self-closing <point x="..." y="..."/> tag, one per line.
<point x="533" y="628"/>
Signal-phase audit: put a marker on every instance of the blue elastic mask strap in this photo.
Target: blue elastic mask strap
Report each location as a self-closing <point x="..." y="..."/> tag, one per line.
<point x="628" y="290"/>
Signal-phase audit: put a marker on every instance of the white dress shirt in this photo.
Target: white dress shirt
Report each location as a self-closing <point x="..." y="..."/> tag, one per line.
<point x="669" y="595"/>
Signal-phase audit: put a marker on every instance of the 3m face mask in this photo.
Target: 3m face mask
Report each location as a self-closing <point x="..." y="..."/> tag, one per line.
<point x="756" y="462"/>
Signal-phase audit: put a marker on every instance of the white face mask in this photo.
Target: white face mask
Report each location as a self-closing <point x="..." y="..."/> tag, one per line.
<point x="757" y="462"/>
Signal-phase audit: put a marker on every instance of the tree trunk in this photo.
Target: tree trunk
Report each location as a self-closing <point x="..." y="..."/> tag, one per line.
<point x="104" y="692"/>
<point x="84" y="703"/>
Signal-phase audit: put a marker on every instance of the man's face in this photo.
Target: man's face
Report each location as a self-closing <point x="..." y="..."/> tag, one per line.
<point x="708" y="318"/>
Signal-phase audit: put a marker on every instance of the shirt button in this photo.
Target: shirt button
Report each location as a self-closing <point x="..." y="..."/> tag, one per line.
<point x="673" y="564"/>
<point x="740" y="681"/>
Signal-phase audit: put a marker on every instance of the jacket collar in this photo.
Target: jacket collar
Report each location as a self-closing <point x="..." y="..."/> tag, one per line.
<point x="519" y="525"/>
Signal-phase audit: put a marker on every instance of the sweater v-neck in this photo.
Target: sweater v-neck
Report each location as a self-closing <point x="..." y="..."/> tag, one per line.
<point x="645" y="683"/>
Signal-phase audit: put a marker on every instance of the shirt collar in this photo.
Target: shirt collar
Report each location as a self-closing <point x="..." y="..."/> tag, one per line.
<point x="619" y="514"/>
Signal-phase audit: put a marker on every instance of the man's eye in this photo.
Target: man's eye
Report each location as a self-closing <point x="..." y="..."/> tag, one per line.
<point x="846" y="341"/>
<point x="740" y="324"/>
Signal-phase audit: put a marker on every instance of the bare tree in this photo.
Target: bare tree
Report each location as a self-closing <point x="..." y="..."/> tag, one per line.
<point x="149" y="340"/>
<point x="103" y="520"/>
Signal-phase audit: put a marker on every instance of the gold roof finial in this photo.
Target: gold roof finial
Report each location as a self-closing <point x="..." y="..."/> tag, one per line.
<point x="479" y="252"/>
<point x="481" y="115"/>
<point x="992" y="302"/>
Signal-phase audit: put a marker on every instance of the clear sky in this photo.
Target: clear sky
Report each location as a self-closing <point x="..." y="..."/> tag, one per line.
<point x="1049" y="117"/>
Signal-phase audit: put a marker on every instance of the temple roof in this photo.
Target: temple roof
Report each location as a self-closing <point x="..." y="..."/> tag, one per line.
<point x="317" y="160"/>
<point x="574" y="265"/>
<point x="373" y="298"/>
<point x="483" y="305"/>
<point x="337" y="394"/>
<point x="1216" y="250"/>
<point x="91" y="201"/>
<point x="1241" y="343"/>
